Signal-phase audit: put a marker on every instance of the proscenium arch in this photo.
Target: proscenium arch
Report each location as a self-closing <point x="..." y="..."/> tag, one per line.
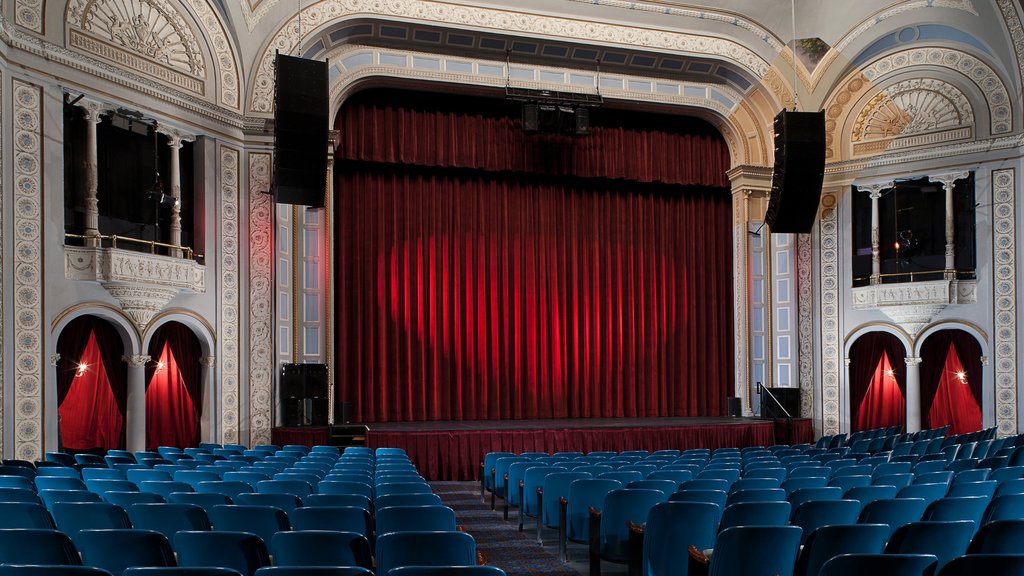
<point x="732" y="124"/>
<point x="311" y="21"/>
<point x="209" y="423"/>
<point x="122" y="324"/>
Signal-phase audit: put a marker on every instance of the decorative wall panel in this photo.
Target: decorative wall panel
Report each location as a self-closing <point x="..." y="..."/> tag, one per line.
<point x="261" y="306"/>
<point x="229" y="297"/>
<point x="28" y="273"/>
<point x="1004" y="253"/>
<point x="828" y="233"/>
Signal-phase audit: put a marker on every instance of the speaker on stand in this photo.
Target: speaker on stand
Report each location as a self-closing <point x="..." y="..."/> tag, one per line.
<point x="302" y="389"/>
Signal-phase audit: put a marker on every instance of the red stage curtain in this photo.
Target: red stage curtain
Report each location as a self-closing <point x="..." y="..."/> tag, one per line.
<point x="91" y="407"/>
<point x="173" y="401"/>
<point x="469" y="295"/>
<point x="876" y="397"/>
<point x="944" y="398"/>
<point x="484" y="134"/>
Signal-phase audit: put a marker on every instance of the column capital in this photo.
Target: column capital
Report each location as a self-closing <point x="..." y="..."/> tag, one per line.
<point x="94" y="109"/>
<point x="175" y="137"/>
<point x="136" y="360"/>
<point x="333" y="138"/>
<point x="208" y="361"/>
<point x="54" y="358"/>
<point x="984" y="360"/>
<point x="912" y="361"/>
<point x="874" y="189"/>
<point x="949" y="178"/>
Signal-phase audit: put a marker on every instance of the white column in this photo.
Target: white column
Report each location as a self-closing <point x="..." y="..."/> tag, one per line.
<point x="175" y="139"/>
<point x="913" y="393"/>
<point x="135" y="416"/>
<point x="875" y="192"/>
<point x="93" y="115"/>
<point x="948" y="182"/>
<point x="209" y="364"/>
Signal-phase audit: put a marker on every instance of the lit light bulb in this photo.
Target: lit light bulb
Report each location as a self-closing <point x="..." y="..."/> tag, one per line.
<point x="82" y="369"/>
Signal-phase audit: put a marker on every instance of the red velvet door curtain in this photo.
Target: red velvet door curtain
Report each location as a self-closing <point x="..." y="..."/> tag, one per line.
<point x="485" y="273"/>
<point x="877" y="382"/>
<point x="91" y="385"/>
<point x="173" y="401"/>
<point x="951" y="382"/>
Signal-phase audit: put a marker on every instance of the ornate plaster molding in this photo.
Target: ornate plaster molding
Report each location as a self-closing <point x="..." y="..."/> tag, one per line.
<point x="229" y="293"/>
<point x="150" y="36"/>
<point x="136" y="360"/>
<point x="28" y="273"/>
<point x="141" y="283"/>
<point x="912" y="305"/>
<point x="805" y="327"/>
<point x="988" y="82"/>
<point x="29" y="14"/>
<point x="1015" y="30"/>
<point x="288" y="37"/>
<point x="1004" y="257"/>
<point x="261" y="305"/>
<point x="917" y="112"/>
<point x="229" y="82"/>
<point x="829" y="286"/>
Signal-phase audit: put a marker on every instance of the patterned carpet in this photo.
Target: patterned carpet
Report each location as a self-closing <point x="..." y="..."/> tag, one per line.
<point x="517" y="553"/>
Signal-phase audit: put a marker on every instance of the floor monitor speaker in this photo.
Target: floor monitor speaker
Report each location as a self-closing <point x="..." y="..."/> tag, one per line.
<point x="798" y="173"/>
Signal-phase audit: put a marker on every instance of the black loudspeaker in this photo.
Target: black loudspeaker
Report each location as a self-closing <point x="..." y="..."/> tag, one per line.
<point x="735" y="406"/>
<point x="305" y="412"/>
<point x="531" y="117"/>
<point x="789" y="398"/>
<point x="316" y="380"/>
<point x="292" y="383"/>
<point x="346" y="413"/>
<point x="799" y="171"/>
<point x="300" y="131"/>
<point x="582" y="121"/>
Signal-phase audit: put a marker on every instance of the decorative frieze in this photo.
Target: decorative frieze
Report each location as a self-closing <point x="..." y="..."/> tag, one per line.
<point x="1004" y="256"/>
<point x="229" y="295"/>
<point x="261" y="305"/>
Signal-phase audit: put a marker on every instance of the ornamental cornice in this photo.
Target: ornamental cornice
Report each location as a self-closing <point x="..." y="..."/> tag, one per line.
<point x="912" y="305"/>
<point x="853" y="167"/>
<point x="288" y="36"/>
<point x="141" y="283"/>
<point x="18" y="40"/>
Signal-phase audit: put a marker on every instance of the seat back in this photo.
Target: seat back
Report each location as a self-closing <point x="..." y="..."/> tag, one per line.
<point x="59" y="483"/>
<point x="263" y="521"/>
<point x="51" y="570"/>
<point x="998" y="537"/>
<point x="669" y="524"/>
<point x="958" y="508"/>
<point x="320" y="548"/>
<point x="415" y="518"/>
<point x="241" y="551"/>
<point x="894" y="512"/>
<point x="229" y="488"/>
<point x="556" y="487"/>
<point x="755" y="550"/>
<point x="974" y="564"/>
<point x="338" y="500"/>
<point x="408" y="500"/>
<point x="338" y="518"/>
<point x="286" y="502"/>
<point x="583" y="495"/>
<point x="52" y="497"/>
<point x="829" y="541"/>
<point x="25" y="515"/>
<point x="621" y="507"/>
<point x="115" y="550"/>
<point x="299" y="488"/>
<point x="169" y="519"/>
<point x="164" y="488"/>
<point x="880" y="565"/>
<point x="533" y="479"/>
<point x="37" y="546"/>
<point x="424" y="549"/>
<point x="72" y="517"/>
<point x="944" y="540"/>
<point x="759" y="513"/>
<point x="817" y="513"/>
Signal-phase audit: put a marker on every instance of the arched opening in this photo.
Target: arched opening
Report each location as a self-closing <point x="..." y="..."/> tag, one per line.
<point x="91" y="386"/>
<point x="951" y="382"/>
<point x="878" y="382"/>
<point x="501" y="266"/>
<point x="174" y="401"/>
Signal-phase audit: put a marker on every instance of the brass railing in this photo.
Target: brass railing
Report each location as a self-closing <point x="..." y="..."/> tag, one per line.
<point x="958" y="274"/>
<point x="153" y="245"/>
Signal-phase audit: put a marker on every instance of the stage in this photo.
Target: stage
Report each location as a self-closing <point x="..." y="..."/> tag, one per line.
<point x="454" y="450"/>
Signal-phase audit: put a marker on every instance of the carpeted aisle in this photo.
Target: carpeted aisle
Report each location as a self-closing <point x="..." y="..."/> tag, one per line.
<point x="517" y="553"/>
